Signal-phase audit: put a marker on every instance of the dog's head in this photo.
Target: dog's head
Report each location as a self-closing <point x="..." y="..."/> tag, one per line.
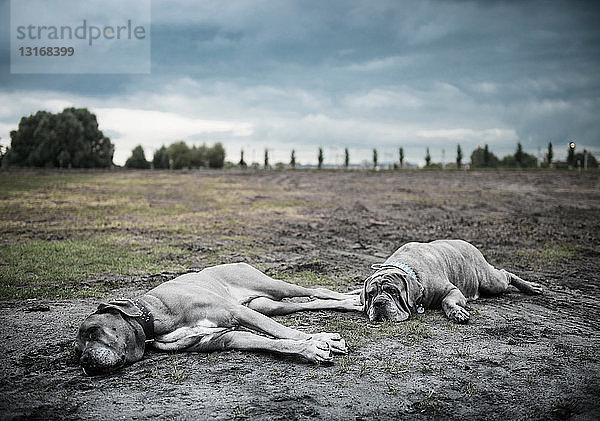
<point x="389" y="294"/>
<point x="110" y="338"/>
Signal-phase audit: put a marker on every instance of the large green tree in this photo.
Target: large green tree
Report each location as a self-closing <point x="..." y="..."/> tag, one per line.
<point x="70" y="138"/>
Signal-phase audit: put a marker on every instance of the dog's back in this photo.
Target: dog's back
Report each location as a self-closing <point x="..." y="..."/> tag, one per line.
<point x="455" y="261"/>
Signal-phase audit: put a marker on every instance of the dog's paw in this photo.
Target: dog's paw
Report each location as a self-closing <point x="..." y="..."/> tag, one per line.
<point x="336" y="344"/>
<point x="534" y="288"/>
<point x="459" y="315"/>
<point x="351" y="304"/>
<point x="317" y="351"/>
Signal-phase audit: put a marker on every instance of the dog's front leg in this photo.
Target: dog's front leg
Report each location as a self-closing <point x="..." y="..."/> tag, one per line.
<point x="453" y="305"/>
<point x="254" y="320"/>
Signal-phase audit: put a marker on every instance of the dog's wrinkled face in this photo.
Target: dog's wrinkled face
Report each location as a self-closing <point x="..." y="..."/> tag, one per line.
<point x="107" y="341"/>
<point x="386" y="297"/>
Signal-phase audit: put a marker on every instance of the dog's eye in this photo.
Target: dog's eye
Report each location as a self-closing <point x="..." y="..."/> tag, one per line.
<point x="93" y="334"/>
<point x="389" y="289"/>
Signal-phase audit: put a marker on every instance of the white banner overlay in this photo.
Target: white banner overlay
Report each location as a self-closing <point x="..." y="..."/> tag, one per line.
<point x="74" y="36"/>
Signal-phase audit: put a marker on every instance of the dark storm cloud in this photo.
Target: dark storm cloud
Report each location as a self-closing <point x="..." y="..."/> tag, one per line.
<point x="384" y="72"/>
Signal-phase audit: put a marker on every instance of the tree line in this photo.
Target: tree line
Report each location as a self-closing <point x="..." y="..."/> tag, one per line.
<point x="72" y="139"/>
<point x="480" y="158"/>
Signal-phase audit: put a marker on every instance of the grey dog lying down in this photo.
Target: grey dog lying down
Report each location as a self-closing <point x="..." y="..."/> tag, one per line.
<point x="442" y="273"/>
<point x="221" y="307"/>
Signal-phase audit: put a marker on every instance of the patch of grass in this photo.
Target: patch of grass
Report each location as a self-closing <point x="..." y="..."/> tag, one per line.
<point x="307" y="278"/>
<point x="552" y="253"/>
<point x="345" y="363"/>
<point x="175" y="372"/>
<point x="52" y="268"/>
<point x="556" y="252"/>
<point x="357" y="332"/>
<point x="61" y="228"/>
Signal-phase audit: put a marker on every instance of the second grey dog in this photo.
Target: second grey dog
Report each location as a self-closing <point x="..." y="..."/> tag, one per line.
<point x="442" y="273"/>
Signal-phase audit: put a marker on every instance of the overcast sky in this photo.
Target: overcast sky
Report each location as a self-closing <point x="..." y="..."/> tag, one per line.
<point x="365" y="74"/>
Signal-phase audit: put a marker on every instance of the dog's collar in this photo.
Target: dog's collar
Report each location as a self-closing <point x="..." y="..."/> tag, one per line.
<point x="398" y="265"/>
<point x="146" y="320"/>
<point x="406" y="269"/>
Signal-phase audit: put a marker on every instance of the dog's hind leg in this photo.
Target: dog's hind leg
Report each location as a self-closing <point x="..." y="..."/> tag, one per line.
<point x="278" y="308"/>
<point x="522" y="285"/>
<point x="279" y="289"/>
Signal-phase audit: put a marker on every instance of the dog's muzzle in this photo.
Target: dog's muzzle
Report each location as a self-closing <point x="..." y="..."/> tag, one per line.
<point x="100" y="360"/>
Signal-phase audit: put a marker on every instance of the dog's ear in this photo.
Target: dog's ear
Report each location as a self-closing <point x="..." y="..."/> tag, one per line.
<point x="125" y="307"/>
<point x="414" y="291"/>
<point x="363" y="293"/>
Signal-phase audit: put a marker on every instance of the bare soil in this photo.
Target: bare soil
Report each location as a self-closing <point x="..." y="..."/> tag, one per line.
<point x="519" y="357"/>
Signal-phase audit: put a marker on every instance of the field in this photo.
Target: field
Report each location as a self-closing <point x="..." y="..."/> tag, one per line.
<point x="70" y="240"/>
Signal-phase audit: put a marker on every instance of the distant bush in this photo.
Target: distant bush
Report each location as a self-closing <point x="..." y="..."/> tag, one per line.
<point x="179" y="155"/>
<point x="527" y="161"/>
<point x="483" y="158"/>
<point x="137" y="159"/>
<point x="67" y="139"/>
<point x="216" y="155"/>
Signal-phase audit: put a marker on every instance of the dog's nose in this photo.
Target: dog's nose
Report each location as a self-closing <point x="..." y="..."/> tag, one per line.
<point x="85" y="359"/>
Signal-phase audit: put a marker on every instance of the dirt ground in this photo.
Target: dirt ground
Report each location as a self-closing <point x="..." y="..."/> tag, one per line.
<point x="519" y="357"/>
